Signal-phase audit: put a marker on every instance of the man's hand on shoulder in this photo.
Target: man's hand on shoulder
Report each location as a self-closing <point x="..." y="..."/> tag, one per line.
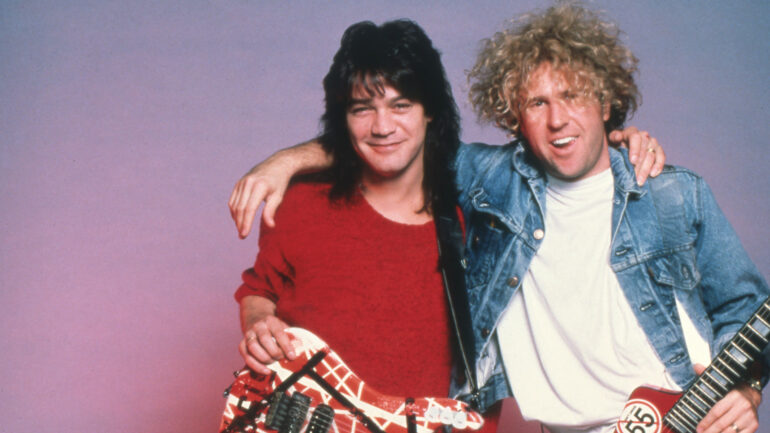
<point x="644" y="152"/>
<point x="267" y="182"/>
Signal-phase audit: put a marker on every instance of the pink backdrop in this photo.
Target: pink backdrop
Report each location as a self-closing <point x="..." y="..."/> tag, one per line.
<point x="123" y="126"/>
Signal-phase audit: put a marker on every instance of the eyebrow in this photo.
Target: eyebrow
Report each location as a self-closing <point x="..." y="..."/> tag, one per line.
<point x="354" y="101"/>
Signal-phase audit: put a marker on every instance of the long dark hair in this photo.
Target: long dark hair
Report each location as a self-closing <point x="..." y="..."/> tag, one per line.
<point x="399" y="54"/>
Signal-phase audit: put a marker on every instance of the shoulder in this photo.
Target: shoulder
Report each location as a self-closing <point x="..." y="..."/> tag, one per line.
<point x="476" y="159"/>
<point x="679" y="187"/>
<point x="671" y="177"/>
<point x="307" y="191"/>
<point x="675" y="176"/>
<point x="477" y="152"/>
<point x="494" y="168"/>
<point x="303" y="199"/>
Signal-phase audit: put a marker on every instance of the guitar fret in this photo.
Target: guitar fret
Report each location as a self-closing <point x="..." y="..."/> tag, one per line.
<point x="676" y="424"/>
<point x="766" y="306"/>
<point x="759" y="334"/>
<point x="734" y="358"/>
<point x="711" y="388"/>
<point x="702" y="401"/>
<point x="697" y="410"/>
<point x="715" y="381"/>
<point x="748" y="357"/>
<point x="756" y="349"/>
<point x="696" y="388"/>
<point x="684" y="416"/>
<point x="737" y="375"/>
<point x="763" y="321"/>
<point x="727" y="379"/>
<point x="677" y="413"/>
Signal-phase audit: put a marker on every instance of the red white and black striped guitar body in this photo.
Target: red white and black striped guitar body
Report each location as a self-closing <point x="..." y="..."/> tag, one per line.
<point x="318" y="393"/>
<point x="654" y="410"/>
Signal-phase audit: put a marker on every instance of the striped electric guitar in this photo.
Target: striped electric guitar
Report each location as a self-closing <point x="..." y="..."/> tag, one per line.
<point x="318" y="393"/>
<point x="651" y="410"/>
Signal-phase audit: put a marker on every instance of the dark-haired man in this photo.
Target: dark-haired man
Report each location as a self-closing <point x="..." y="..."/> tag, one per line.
<point x="353" y="257"/>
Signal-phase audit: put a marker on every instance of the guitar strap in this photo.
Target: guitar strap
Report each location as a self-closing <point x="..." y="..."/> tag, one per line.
<point x="451" y="243"/>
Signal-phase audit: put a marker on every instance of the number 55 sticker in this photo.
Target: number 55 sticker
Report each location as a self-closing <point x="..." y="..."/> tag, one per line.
<point x="639" y="416"/>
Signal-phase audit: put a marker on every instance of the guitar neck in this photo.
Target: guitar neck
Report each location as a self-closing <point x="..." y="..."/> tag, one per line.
<point x="726" y="371"/>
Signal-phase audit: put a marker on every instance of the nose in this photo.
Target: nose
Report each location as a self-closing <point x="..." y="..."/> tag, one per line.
<point x="383" y="124"/>
<point x="557" y="115"/>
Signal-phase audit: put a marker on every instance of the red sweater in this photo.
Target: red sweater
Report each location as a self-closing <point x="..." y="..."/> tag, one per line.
<point x="368" y="286"/>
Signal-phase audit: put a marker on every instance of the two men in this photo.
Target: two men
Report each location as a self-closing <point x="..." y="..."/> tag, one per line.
<point x="582" y="284"/>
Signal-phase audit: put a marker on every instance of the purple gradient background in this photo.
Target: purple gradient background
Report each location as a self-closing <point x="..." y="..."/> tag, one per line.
<point x="123" y="126"/>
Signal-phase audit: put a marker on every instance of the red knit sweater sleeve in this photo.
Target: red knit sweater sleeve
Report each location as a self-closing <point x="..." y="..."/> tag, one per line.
<point x="271" y="273"/>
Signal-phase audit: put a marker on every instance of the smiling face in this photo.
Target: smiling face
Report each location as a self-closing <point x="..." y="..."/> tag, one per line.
<point x="388" y="132"/>
<point x="564" y="128"/>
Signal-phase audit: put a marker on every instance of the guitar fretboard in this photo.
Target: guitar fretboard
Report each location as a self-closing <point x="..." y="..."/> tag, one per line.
<point x="726" y="371"/>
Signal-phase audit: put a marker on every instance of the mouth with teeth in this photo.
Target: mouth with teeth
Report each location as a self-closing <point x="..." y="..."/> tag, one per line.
<point x="563" y="142"/>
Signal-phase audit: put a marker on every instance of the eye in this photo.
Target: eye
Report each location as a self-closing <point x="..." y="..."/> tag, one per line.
<point x="402" y="106"/>
<point x="534" y="104"/>
<point x="358" y="109"/>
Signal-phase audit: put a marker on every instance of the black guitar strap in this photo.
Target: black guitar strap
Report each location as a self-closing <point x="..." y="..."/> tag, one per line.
<point x="451" y="244"/>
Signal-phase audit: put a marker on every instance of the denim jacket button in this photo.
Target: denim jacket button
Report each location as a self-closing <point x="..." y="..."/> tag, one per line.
<point x="485" y="332"/>
<point x="513" y="281"/>
<point x="538" y="234"/>
<point x="650" y="272"/>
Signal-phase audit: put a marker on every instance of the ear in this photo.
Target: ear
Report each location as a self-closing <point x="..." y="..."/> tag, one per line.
<point x="606" y="110"/>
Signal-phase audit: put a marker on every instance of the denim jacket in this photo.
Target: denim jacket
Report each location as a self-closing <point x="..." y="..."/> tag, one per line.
<point x="670" y="241"/>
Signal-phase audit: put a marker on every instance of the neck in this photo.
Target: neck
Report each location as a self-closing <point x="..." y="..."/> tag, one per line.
<point x="399" y="199"/>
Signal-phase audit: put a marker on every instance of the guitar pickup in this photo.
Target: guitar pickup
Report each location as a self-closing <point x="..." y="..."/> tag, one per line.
<point x="287" y="414"/>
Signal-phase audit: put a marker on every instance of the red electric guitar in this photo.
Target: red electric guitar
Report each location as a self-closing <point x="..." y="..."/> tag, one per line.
<point x="653" y="410"/>
<point x="318" y="393"/>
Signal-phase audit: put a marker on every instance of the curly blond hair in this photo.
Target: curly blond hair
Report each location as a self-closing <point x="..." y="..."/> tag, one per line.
<point x="576" y="42"/>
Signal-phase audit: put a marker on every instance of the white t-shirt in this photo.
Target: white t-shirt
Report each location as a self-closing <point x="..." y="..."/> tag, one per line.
<point x="571" y="346"/>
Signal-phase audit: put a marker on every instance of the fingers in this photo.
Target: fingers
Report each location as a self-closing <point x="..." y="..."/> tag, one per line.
<point x="650" y="161"/>
<point x="660" y="160"/>
<point x="735" y="413"/>
<point x="630" y="139"/>
<point x="271" y="204"/>
<point x="265" y="343"/>
<point x="251" y="200"/>
<point x="236" y="197"/>
<point x="251" y="360"/>
<point x="636" y="144"/>
<point x="244" y="201"/>
<point x="643" y="151"/>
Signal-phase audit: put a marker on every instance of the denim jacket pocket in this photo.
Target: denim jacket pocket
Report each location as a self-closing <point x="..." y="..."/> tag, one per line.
<point x="675" y="268"/>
